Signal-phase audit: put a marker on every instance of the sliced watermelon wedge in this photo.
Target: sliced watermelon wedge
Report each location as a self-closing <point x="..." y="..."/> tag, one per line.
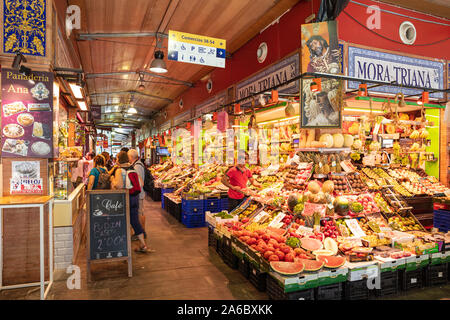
<point x="311" y="244"/>
<point x="331" y="262"/>
<point x="310" y="265"/>
<point x="287" y="268"/>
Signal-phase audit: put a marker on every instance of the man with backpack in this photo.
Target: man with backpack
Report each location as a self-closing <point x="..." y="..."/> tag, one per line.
<point x="142" y="172"/>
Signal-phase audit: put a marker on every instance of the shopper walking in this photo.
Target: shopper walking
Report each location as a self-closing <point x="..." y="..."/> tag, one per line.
<point x="108" y="163"/>
<point x="95" y="173"/>
<point x="140" y="169"/>
<point x="120" y="173"/>
<point x="236" y="179"/>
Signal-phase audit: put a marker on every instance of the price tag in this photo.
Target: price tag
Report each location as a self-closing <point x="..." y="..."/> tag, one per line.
<point x="320" y="165"/>
<point x="354" y="227"/>
<point x="303" y="165"/>
<point x="333" y="164"/>
<point x="277" y="219"/>
<point x="413" y="280"/>
<point x="259" y="216"/>
<point x="304" y="230"/>
<point x="346" y="167"/>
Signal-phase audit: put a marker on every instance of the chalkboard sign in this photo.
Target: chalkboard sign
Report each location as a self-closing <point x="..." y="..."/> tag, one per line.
<point x="108" y="226"/>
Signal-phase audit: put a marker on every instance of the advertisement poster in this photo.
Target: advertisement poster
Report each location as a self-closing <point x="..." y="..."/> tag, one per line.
<point x="321" y="102"/>
<point x="27" y="114"/>
<point x="26" y="178"/>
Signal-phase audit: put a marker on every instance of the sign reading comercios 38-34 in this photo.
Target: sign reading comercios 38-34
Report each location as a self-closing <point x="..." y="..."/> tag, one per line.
<point x="27" y="114"/>
<point x="388" y="67"/>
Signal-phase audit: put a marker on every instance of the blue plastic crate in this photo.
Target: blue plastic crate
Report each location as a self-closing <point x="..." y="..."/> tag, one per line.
<point x="192" y="206"/>
<point x="212" y="205"/>
<point x="224" y="204"/>
<point x="163" y="191"/>
<point x="193" y="220"/>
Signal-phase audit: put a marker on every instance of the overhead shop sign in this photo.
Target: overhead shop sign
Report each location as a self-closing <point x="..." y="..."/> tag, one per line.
<point x="192" y="48"/>
<point x="181" y="118"/>
<point x="210" y="105"/>
<point x="165" y="126"/>
<point x="275" y="75"/>
<point x="382" y="66"/>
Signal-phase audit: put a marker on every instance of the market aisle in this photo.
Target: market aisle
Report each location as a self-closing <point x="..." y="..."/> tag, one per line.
<point x="182" y="268"/>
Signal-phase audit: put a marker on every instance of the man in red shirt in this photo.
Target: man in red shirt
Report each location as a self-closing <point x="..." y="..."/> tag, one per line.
<point x="236" y="180"/>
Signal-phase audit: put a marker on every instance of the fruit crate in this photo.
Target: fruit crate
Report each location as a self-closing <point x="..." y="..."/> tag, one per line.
<point x="329" y="292"/>
<point x="244" y="267"/>
<point x="169" y="205"/>
<point x="177" y="210"/>
<point x="156" y="195"/>
<point x="276" y="292"/>
<point x="412" y="279"/>
<point x="356" y="290"/>
<point x="420" y="204"/>
<point x="192" y="206"/>
<point x="436" y="275"/>
<point x="212" y="240"/>
<point x="388" y="284"/>
<point x="230" y="259"/>
<point x="257" y="278"/>
<point x="163" y="192"/>
<point x="193" y="220"/>
<point x="212" y="205"/>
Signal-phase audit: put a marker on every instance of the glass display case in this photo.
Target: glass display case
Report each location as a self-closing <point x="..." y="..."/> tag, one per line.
<point x="62" y="185"/>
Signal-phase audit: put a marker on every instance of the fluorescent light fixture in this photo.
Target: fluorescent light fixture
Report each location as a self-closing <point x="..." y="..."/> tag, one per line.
<point x="132" y="110"/>
<point x="279" y="120"/>
<point x="363" y="110"/>
<point x="82" y="105"/>
<point x="76" y="90"/>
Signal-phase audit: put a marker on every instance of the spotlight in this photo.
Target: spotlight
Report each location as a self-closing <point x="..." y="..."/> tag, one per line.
<point x="18" y="59"/>
<point x="141" y="87"/>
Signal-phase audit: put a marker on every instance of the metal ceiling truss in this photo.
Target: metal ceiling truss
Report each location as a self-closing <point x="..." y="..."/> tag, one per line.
<point x="94" y="36"/>
<point x="130" y="92"/>
<point x="121" y="73"/>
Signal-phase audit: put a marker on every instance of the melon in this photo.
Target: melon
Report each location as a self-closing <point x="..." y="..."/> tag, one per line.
<point x="330" y="244"/>
<point x="327" y="139"/>
<point x="314" y="187"/>
<point x="328" y="186"/>
<point x="323" y="252"/>
<point x="331" y="262"/>
<point x="310" y="265"/>
<point x="338" y="140"/>
<point x="311" y="244"/>
<point x="348" y="140"/>
<point x="357" y="144"/>
<point x="287" y="268"/>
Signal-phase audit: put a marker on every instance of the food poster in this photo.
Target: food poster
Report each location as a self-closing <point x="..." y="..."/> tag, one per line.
<point x="27" y="114"/>
<point x="26" y="178"/>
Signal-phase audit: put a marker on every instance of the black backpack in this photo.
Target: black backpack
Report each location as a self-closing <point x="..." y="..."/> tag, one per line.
<point x="148" y="179"/>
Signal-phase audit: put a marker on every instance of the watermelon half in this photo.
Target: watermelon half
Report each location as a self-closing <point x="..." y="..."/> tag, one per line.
<point x="311" y="265"/>
<point x="287" y="268"/>
<point x="311" y="244"/>
<point x="331" y="262"/>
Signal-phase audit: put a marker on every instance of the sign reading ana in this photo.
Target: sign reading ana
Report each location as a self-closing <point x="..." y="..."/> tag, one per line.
<point x="192" y="48"/>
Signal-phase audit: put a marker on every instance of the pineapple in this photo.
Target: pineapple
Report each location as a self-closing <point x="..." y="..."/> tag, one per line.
<point x="326" y="167"/>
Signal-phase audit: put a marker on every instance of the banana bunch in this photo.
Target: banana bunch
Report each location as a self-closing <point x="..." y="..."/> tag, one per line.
<point x="414" y="147"/>
<point x="396" y="148"/>
<point x="415" y="134"/>
<point x="424" y="133"/>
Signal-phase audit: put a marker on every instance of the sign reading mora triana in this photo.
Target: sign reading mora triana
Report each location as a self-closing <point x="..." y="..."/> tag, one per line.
<point x="196" y="49"/>
<point x="277" y="74"/>
<point x="388" y="67"/>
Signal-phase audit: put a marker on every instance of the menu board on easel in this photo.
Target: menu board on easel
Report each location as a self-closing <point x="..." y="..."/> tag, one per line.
<point x="27" y="114"/>
<point x="108" y="237"/>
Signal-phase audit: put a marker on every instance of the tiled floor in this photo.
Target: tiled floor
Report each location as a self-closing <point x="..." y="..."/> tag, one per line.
<point x="182" y="268"/>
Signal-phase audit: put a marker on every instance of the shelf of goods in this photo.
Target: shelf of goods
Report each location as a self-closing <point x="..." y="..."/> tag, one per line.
<point x="300" y="238"/>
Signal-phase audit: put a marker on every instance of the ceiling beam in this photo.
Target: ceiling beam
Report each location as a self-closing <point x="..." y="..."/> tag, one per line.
<point x="121" y="73"/>
<point x="130" y="92"/>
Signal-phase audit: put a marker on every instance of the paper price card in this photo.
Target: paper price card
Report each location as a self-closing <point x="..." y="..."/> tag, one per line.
<point x="277" y="220"/>
<point x="259" y="216"/>
<point x="304" y="230"/>
<point x="354" y="227"/>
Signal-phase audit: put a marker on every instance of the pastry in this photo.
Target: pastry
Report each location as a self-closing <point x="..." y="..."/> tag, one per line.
<point x="40" y="148"/>
<point x="13" y="108"/>
<point x="38" y="131"/>
<point x="25" y="119"/>
<point x="13" y="130"/>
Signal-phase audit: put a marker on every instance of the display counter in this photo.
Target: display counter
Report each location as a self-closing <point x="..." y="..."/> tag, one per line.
<point x="69" y="223"/>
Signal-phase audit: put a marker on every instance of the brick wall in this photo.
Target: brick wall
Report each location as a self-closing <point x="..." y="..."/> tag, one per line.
<point x="63" y="247"/>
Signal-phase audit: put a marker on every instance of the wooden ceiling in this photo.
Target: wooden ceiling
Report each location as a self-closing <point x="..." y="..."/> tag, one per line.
<point x="236" y="21"/>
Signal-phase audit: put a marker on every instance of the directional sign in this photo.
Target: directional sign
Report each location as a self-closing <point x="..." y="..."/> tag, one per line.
<point x="192" y="48"/>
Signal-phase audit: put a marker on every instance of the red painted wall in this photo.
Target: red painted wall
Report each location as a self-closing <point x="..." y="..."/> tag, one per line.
<point x="283" y="38"/>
